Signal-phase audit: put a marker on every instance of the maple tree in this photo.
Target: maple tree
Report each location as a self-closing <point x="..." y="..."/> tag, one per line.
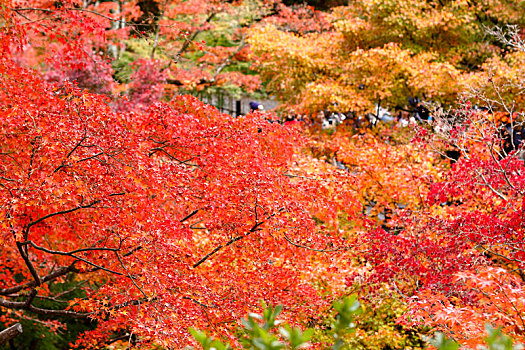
<point x="453" y="253"/>
<point x="156" y="217"/>
<point x="458" y="260"/>
<point x="195" y="44"/>
<point x="380" y="53"/>
<point x="166" y="219"/>
<point x="141" y="213"/>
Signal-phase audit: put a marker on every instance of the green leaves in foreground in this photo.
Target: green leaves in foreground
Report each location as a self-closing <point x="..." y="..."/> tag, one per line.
<point x="257" y="333"/>
<point x="441" y="342"/>
<point x="347" y="309"/>
<point x="260" y="332"/>
<point x="496" y="340"/>
<point x="207" y="342"/>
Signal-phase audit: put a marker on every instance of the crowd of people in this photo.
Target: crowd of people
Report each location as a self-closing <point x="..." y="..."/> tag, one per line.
<point x="415" y="113"/>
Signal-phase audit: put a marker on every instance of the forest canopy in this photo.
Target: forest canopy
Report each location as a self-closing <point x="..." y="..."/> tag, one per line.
<point x="380" y="205"/>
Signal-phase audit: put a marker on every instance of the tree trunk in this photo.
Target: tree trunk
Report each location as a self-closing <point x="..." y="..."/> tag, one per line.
<point x="10" y="333"/>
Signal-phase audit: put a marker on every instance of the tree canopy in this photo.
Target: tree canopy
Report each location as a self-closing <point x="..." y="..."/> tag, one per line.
<point x="135" y="215"/>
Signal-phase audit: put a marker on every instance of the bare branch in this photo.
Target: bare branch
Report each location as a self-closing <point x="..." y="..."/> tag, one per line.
<point x="242" y="44"/>
<point x="496" y="192"/>
<point x="253" y="229"/>
<point x="189" y="40"/>
<point x="10" y="333"/>
<point x="80" y="250"/>
<point x="71" y="254"/>
<point x="22" y="305"/>
<point x="50" y="277"/>
<point x="66" y="9"/>
<point x="129" y="275"/>
<point x="33" y="223"/>
<point x="28" y="263"/>
<point x="189" y="216"/>
<point x="71" y="152"/>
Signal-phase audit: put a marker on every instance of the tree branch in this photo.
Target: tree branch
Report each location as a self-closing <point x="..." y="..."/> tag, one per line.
<point x="64" y="270"/>
<point x="189" y="216"/>
<point x="28" y="263"/>
<point x="191" y="38"/>
<point x="254" y="228"/>
<point x="203" y="81"/>
<point x="71" y="152"/>
<point x="71" y="254"/>
<point x="314" y="249"/>
<point x="58" y="252"/>
<point x="228" y="60"/>
<point x="22" y="305"/>
<point x="10" y="333"/>
<point x="68" y="9"/>
<point x="33" y="223"/>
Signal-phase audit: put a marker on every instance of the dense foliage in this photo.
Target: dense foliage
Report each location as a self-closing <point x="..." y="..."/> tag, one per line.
<point x="133" y="215"/>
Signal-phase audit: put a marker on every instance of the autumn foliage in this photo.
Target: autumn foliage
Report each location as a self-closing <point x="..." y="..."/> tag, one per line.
<point x="166" y="216"/>
<point x="170" y="218"/>
<point x="140" y="212"/>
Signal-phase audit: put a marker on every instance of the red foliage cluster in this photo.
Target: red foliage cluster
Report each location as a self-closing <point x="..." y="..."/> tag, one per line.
<point x="165" y="215"/>
<point x="456" y="253"/>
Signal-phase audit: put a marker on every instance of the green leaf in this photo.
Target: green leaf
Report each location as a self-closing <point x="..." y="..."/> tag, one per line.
<point x="296" y="337"/>
<point x="199" y="336"/>
<point x="441" y="342"/>
<point x="496" y="340"/>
